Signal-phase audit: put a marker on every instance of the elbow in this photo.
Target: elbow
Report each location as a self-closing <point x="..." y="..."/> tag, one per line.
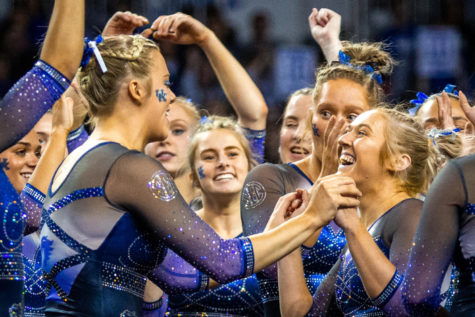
<point x="296" y="308"/>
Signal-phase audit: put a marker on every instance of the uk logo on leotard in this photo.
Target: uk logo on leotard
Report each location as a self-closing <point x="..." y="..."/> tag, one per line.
<point x="162" y="186"/>
<point x="254" y="194"/>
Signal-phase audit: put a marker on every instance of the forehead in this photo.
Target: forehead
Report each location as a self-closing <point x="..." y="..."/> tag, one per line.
<point x="178" y="113"/>
<point x="218" y="139"/>
<point x="430" y="109"/>
<point x="372" y="118"/>
<point x="159" y="67"/>
<point x="298" y="106"/>
<point x="343" y="93"/>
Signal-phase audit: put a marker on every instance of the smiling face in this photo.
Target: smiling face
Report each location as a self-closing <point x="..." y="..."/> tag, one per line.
<point x="341" y="98"/>
<point x="361" y="148"/>
<point x="20" y="160"/>
<point x="295" y="143"/>
<point x="172" y="152"/>
<point x="428" y="114"/>
<point x="220" y="163"/>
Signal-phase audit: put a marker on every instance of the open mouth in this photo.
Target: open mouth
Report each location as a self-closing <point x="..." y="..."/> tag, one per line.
<point x="224" y="177"/>
<point x="26" y="176"/>
<point x="347" y="159"/>
<point x="165" y="156"/>
<point x="297" y="150"/>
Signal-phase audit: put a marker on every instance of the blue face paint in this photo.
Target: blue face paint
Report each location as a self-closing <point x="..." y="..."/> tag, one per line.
<point x="315" y="130"/>
<point x="161" y="95"/>
<point x="201" y="172"/>
<point x="4" y="164"/>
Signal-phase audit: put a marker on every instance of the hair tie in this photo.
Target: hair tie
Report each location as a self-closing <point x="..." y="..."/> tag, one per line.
<point x="90" y="47"/>
<point x="451" y="89"/>
<point x="436" y="133"/>
<point x="344" y="59"/>
<point x="421" y="98"/>
<point x="205" y="119"/>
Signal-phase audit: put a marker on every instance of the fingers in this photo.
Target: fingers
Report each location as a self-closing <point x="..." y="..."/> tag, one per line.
<point x="147" y="33"/>
<point x="469" y="128"/>
<point x="469" y="111"/>
<point x="445" y="111"/>
<point x="312" y="18"/>
<point x="346" y="202"/>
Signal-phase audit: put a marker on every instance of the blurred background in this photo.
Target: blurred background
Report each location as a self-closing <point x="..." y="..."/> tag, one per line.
<point x="433" y="40"/>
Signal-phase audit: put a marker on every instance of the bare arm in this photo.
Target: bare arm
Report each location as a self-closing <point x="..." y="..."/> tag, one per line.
<point x="238" y="86"/>
<point x="63" y="45"/>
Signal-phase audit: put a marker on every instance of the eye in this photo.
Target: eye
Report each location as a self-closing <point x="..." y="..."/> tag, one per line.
<point x="208" y="157"/>
<point x="168" y="83"/>
<point x="233" y="154"/>
<point x="177" y="132"/>
<point x="352" y="117"/>
<point x="325" y="114"/>
<point x="362" y="133"/>
<point x="20" y="153"/>
<point x="291" y="125"/>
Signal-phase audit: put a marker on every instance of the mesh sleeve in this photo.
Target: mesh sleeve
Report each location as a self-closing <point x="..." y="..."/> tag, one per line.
<point x="175" y="275"/>
<point x="32" y="200"/>
<point x="27" y="101"/>
<point x="76" y="138"/>
<point x="434" y="242"/>
<point x="257" y="140"/>
<point x="143" y="187"/>
<point x="261" y="191"/>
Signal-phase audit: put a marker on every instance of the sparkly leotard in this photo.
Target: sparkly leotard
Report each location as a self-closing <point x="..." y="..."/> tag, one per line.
<point x="108" y="226"/>
<point x="264" y="185"/>
<point x="20" y="109"/>
<point x="446" y="233"/>
<point x="342" y="291"/>
<point x="238" y="298"/>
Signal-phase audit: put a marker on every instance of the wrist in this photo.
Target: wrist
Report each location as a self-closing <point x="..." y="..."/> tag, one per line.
<point x="207" y="39"/>
<point x="59" y="133"/>
<point x="354" y="228"/>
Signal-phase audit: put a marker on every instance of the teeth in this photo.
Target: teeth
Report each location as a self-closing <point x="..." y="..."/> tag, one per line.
<point x="224" y="176"/>
<point x="346" y="159"/>
<point x="27" y="176"/>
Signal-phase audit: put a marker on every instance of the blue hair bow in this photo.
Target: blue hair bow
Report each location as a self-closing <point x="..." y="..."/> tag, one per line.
<point x="345" y="60"/>
<point x="449" y="88"/>
<point x="90" y="47"/>
<point x="205" y="119"/>
<point x="436" y="133"/>
<point x="421" y="98"/>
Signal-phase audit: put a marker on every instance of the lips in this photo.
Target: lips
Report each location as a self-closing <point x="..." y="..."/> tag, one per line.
<point x="26" y="176"/>
<point x="347" y="159"/>
<point x="224" y="177"/>
<point x="165" y="156"/>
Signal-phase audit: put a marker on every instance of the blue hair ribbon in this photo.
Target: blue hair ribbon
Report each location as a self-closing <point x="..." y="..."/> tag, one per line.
<point x="421" y="98"/>
<point x="436" y="133"/>
<point x="344" y="59"/>
<point x="205" y="119"/>
<point x="90" y="47"/>
<point x="451" y="89"/>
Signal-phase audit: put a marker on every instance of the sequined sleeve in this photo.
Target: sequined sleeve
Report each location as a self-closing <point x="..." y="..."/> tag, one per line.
<point x="175" y="275"/>
<point x="76" y="138"/>
<point x="142" y="186"/>
<point x="157" y="308"/>
<point x="324" y="297"/>
<point x="257" y="139"/>
<point x="32" y="200"/>
<point x="27" y="101"/>
<point x="434" y="242"/>
<point x="11" y="261"/>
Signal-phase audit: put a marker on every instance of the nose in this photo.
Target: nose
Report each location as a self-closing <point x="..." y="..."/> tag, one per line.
<point x="299" y="133"/>
<point x="32" y="160"/>
<point x="346" y="140"/>
<point x="172" y="96"/>
<point x="223" y="161"/>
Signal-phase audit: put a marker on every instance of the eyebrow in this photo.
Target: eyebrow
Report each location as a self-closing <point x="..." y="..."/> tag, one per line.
<point x="291" y="118"/>
<point x="460" y="118"/>
<point x="352" y="107"/>
<point x="431" y="120"/>
<point x="23" y="143"/>
<point x="363" y="125"/>
<point x="232" y="147"/>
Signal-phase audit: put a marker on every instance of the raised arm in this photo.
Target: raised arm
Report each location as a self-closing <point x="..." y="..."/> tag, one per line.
<point x="437" y="232"/>
<point x="238" y="86"/>
<point x="325" y="27"/>
<point x="150" y="195"/>
<point x="38" y="90"/>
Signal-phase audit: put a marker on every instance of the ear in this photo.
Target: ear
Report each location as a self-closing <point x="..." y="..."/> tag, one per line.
<point x="136" y="91"/>
<point x="401" y="163"/>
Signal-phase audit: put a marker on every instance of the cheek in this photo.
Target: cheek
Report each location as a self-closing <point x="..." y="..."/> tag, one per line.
<point x="285" y="137"/>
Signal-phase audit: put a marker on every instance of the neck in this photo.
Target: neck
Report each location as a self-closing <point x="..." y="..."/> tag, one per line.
<point x="123" y="127"/>
<point x="223" y="214"/>
<point x="310" y="166"/>
<point x="376" y="201"/>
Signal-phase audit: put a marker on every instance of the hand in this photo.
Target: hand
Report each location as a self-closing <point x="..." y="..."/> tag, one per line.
<point x="347" y="218"/>
<point x="63" y="117"/>
<point x="299" y="204"/>
<point x="329" y="194"/>
<point x="445" y="112"/>
<point x="285" y="207"/>
<point x="331" y="147"/>
<point x="123" y="23"/>
<point x="325" y="26"/>
<point x="180" y="28"/>
<point x="79" y="101"/>
<point x="469" y="112"/>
